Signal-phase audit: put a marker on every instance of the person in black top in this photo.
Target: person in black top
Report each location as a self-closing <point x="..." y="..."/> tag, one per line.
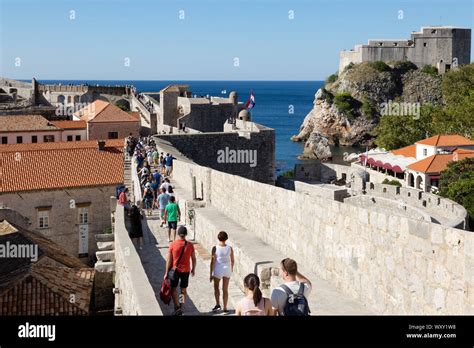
<point x="136" y="232"/>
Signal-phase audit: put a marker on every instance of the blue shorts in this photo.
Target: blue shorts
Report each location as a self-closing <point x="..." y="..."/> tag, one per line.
<point x="173" y="225"/>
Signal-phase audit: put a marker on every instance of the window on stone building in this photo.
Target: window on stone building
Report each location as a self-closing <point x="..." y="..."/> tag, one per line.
<point x="113" y="135"/>
<point x="83" y="215"/>
<point x="69" y="138"/>
<point x="424" y="44"/>
<point x="425" y="152"/>
<point x="19" y="139"/>
<point x="43" y="218"/>
<point x="48" y="138"/>
<point x="78" y="137"/>
<point x="34" y="138"/>
<point x="433" y="31"/>
<point x="4" y="140"/>
<point x="395" y="43"/>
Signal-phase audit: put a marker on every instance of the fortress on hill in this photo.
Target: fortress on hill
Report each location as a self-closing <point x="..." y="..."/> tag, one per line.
<point x="443" y="47"/>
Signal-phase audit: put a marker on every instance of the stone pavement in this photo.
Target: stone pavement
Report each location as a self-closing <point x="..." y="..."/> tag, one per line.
<point x="200" y="299"/>
<point x="325" y="299"/>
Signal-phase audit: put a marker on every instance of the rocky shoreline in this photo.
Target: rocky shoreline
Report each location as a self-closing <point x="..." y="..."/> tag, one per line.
<point x="347" y="110"/>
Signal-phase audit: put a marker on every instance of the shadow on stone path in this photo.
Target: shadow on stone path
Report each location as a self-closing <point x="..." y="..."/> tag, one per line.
<point x="200" y="299"/>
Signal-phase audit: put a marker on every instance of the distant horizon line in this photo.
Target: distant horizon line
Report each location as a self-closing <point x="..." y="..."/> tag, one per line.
<point x="167" y="80"/>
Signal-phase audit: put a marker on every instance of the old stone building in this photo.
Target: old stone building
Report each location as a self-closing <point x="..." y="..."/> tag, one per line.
<point x="107" y="121"/>
<point x="63" y="189"/>
<point x="444" y="47"/>
<point x="20" y="129"/>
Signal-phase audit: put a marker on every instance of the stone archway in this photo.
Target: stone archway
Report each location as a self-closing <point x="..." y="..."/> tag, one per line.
<point x="61" y="99"/>
<point x="419" y="183"/>
<point x="411" y="180"/>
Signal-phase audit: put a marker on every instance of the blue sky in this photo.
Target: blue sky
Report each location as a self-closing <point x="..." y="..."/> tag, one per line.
<point x="203" y="46"/>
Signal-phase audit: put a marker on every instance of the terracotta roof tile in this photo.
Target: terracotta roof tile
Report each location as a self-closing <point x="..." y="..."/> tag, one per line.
<point x="432" y="164"/>
<point x="463" y="151"/>
<point x="446" y="140"/>
<point x="461" y="154"/>
<point x="135" y="114"/>
<point x="29" y="167"/>
<point x="407" y="151"/>
<point x="84" y="144"/>
<point x="33" y="288"/>
<point x="70" y="124"/>
<point x="47" y="246"/>
<point x="46" y="290"/>
<point x="25" y="123"/>
<point x="100" y="111"/>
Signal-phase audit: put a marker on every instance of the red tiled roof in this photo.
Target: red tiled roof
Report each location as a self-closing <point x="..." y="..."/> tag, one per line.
<point x="135" y="114"/>
<point x="70" y="124"/>
<point x="432" y="164"/>
<point x="407" y="151"/>
<point x="25" y="123"/>
<point x="446" y="140"/>
<point x="101" y="111"/>
<point x="84" y="144"/>
<point x="46" y="290"/>
<point x="461" y="154"/>
<point x="463" y="151"/>
<point x="45" y="166"/>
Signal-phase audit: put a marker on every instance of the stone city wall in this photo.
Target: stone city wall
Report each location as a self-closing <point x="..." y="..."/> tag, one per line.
<point x="391" y="263"/>
<point x="134" y="296"/>
<point x="203" y="149"/>
<point x="455" y="214"/>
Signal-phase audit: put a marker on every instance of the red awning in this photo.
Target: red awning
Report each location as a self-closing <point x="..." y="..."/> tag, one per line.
<point x="371" y="161"/>
<point x="435" y="177"/>
<point x="379" y="164"/>
<point x="387" y="166"/>
<point x="397" y="169"/>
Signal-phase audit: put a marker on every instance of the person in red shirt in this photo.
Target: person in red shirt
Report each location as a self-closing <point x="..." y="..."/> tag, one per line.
<point x="182" y="270"/>
<point x="124" y="200"/>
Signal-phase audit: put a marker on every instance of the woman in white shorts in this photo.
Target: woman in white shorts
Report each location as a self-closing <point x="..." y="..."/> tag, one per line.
<point x="222" y="265"/>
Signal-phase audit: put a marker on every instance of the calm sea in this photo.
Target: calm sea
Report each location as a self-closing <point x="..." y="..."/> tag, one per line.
<point x="281" y="105"/>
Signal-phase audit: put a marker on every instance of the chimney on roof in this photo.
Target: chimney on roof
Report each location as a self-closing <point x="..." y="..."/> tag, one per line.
<point x="101" y="144"/>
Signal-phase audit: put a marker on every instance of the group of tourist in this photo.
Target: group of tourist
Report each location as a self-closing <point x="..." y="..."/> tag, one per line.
<point x="148" y="104"/>
<point x="288" y="299"/>
<point x="155" y="184"/>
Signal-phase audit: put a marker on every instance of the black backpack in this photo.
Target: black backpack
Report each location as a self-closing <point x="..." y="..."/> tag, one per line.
<point x="296" y="304"/>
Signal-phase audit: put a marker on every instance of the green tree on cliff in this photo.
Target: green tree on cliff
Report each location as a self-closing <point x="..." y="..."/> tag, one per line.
<point x="454" y="117"/>
<point x="457" y="184"/>
<point x="394" y="132"/>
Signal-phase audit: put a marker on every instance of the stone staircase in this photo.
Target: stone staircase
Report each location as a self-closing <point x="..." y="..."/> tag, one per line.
<point x="105" y="242"/>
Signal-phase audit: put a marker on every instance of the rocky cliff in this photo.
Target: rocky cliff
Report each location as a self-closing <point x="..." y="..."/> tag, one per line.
<point x="348" y="108"/>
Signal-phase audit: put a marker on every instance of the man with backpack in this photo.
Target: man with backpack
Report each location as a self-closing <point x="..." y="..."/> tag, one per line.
<point x="290" y="298"/>
<point x="178" y="268"/>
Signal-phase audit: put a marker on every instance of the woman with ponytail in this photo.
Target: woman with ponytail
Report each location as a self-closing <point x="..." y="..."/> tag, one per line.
<point x="253" y="303"/>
